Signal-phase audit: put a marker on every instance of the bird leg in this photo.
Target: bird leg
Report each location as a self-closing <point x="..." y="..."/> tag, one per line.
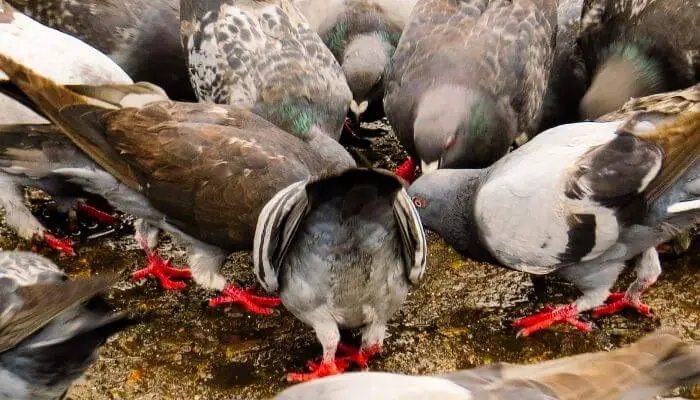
<point x="648" y="269"/>
<point x="407" y="170"/>
<point x="252" y="303"/>
<point x="162" y="269"/>
<point x="350" y="138"/>
<point x="64" y="246"/>
<point x="329" y="336"/>
<point x="549" y="316"/>
<point x="96" y="213"/>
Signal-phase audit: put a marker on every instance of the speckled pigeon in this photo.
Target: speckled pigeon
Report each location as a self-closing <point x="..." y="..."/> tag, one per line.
<point x="263" y="56"/>
<point x="50" y="327"/>
<point x="637" y="48"/>
<point x="647" y="368"/>
<point x="342" y="252"/>
<point x="579" y="201"/>
<point x="201" y="172"/>
<point x="468" y="78"/>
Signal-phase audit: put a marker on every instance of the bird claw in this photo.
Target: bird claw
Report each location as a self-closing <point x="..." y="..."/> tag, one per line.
<point x="64" y="246"/>
<point x="617" y="302"/>
<point x="550" y="316"/>
<point x="164" y="271"/>
<point x="407" y="170"/>
<point x="361" y="357"/>
<point x="97" y="214"/>
<point x="318" y="370"/>
<point x="253" y="303"/>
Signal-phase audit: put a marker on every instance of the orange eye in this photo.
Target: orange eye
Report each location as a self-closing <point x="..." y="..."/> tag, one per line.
<point x="418" y="202"/>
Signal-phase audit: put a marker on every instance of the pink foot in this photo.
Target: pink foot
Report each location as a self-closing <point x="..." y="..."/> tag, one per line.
<point x="97" y="214"/>
<point x="357" y="356"/>
<point x="318" y="371"/>
<point x="65" y="246"/>
<point x="407" y="170"/>
<point x="164" y="271"/>
<point x="550" y="316"/>
<point x="256" y="304"/>
<point x="618" y="302"/>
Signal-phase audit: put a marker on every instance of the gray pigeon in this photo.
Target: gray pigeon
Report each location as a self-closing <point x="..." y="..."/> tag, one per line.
<point x="640" y="371"/>
<point x="637" y="48"/>
<point x="579" y="201"/>
<point x="29" y="156"/>
<point x="468" y="78"/>
<point x="362" y="34"/>
<point x="142" y="36"/>
<point x="342" y="252"/>
<point x="568" y="78"/>
<point x="263" y="56"/>
<point x="50" y="327"/>
<point x="73" y="62"/>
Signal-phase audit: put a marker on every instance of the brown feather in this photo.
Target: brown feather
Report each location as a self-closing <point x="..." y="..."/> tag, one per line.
<point x="656" y="361"/>
<point x="52" y="99"/>
<point x="680" y="141"/>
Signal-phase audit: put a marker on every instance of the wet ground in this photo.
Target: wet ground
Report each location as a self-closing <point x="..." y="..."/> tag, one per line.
<point x="458" y="317"/>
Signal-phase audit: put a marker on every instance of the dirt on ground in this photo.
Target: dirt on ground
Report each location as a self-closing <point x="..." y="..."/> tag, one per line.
<point x="458" y="317"/>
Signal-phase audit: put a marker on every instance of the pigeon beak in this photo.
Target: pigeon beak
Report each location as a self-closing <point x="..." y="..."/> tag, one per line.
<point x="358" y="109"/>
<point x="427" y="168"/>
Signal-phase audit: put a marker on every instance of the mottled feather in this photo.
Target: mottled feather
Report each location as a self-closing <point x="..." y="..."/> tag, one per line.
<point x="264" y="56"/>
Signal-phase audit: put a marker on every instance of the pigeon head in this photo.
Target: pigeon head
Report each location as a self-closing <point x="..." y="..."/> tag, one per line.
<point x="444" y="200"/>
<point x="364" y="60"/>
<point x="459" y="128"/>
<point x="627" y="71"/>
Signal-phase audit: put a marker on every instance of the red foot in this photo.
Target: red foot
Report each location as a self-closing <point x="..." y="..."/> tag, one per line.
<point x="357" y="356"/>
<point x="407" y="170"/>
<point x="318" y="371"/>
<point x="163" y="270"/>
<point x="256" y="304"/>
<point x="618" y="302"/>
<point x="347" y="126"/>
<point x="550" y="316"/>
<point x="65" y="246"/>
<point x="96" y="214"/>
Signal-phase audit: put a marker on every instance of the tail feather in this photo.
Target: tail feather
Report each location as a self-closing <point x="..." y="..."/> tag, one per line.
<point x="80" y="110"/>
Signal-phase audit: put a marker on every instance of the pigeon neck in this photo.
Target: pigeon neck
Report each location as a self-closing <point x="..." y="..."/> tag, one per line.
<point x="627" y="71"/>
<point x="467" y="240"/>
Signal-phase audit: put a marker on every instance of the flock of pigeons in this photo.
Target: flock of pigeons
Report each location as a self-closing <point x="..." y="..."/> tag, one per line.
<point x="252" y="159"/>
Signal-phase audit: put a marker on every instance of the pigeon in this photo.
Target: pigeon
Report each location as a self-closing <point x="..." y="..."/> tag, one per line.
<point x="635" y="49"/>
<point x="578" y="201"/>
<point x="201" y="172"/>
<point x="29" y="155"/>
<point x="263" y="56"/>
<point x="468" y="78"/>
<point x="568" y="79"/>
<point x="655" y="363"/>
<point x="342" y="251"/>
<point x="50" y="327"/>
<point x="362" y="34"/>
<point x="141" y="36"/>
<point x="74" y="62"/>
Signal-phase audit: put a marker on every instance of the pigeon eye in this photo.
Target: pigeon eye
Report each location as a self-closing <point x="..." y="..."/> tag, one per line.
<point x="418" y="202"/>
